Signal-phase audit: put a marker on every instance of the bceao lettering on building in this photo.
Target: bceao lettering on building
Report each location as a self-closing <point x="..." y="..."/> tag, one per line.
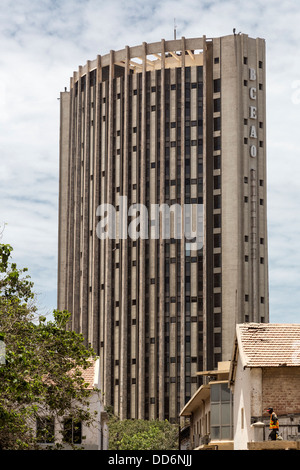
<point x="253" y="112"/>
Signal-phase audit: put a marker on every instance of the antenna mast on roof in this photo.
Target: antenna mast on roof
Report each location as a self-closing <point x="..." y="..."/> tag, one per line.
<point x="175" y="26"/>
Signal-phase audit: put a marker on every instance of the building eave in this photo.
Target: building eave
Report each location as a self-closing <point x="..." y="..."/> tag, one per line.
<point x="201" y="394"/>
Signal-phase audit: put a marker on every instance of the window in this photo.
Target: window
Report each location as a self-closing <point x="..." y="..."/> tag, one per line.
<point x="217" y="105"/>
<point x="72" y="433"/>
<point x="217" y="201"/>
<point x="217" y="280"/>
<point x="217" y="260"/>
<point x="221" y="411"/>
<point x="217" y="182"/>
<point x="45" y="430"/>
<point x="217" y="220"/>
<point x="217" y="162"/>
<point x="217" y="300"/>
<point x="217" y="143"/>
<point x="217" y="124"/>
<point x="217" y="85"/>
<point x="187" y="249"/>
<point x="217" y="320"/>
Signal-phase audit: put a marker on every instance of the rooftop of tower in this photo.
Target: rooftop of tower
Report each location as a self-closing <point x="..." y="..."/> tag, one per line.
<point x="151" y="56"/>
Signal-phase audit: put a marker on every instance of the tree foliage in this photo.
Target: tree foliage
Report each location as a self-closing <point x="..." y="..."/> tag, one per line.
<point x="142" y="435"/>
<point x="42" y="374"/>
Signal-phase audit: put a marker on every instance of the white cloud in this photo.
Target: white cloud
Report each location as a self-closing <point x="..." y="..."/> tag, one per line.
<point x="43" y="41"/>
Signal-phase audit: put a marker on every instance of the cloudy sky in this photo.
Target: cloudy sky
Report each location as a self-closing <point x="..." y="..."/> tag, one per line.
<point x="43" y="41"/>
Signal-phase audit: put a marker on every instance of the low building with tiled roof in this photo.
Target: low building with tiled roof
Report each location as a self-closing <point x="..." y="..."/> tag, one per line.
<point x="264" y="372"/>
<point x="92" y="437"/>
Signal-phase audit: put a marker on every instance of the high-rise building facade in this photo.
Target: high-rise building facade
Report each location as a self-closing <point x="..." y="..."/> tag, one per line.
<point x="166" y="124"/>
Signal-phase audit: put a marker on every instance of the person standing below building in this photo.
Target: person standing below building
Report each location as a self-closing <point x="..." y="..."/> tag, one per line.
<point x="274" y="424"/>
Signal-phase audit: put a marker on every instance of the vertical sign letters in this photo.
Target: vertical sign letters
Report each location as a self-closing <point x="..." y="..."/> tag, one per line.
<point x="252" y="112"/>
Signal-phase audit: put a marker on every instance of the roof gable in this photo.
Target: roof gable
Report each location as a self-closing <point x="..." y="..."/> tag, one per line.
<point x="269" y="344"/>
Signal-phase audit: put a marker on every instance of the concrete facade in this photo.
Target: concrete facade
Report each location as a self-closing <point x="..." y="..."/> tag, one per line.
<point x="171" y="122"/>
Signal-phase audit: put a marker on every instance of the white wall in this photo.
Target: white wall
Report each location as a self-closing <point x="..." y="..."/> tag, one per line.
<point x="93" y="439"/>
<point x="247" y="400"/>
<point x="241" y="408"/>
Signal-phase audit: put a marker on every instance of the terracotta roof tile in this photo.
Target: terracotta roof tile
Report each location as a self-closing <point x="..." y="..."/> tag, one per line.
<point x="269" y="344"/>
<point x="90" y="375"/>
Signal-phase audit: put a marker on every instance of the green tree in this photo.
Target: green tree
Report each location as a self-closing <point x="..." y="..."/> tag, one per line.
<point x="142" y="435"/>
<point x="41" y="378"/>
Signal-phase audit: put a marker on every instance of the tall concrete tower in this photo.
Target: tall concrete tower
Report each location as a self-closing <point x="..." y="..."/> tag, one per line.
<point x="166" y="124"/>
